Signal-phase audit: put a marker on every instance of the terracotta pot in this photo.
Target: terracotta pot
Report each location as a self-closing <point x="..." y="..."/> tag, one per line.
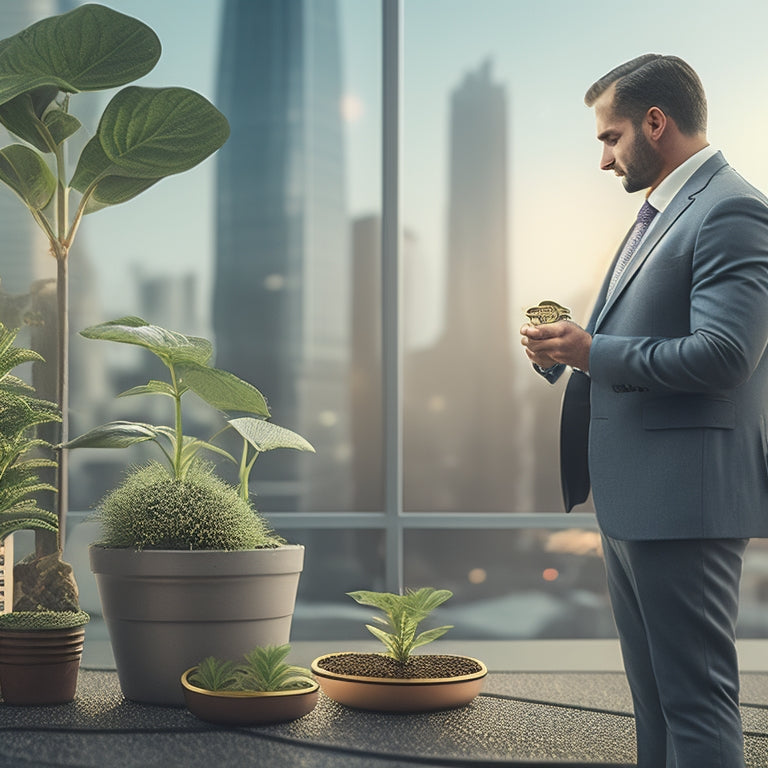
<point x="167" y="609"/>
<point x="248" y="707"/>
<point x="386" y="694"/>
<point x="40" y="667"/>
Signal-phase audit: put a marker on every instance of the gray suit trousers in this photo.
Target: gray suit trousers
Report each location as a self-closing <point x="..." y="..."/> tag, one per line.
<point x="675" y="603"/>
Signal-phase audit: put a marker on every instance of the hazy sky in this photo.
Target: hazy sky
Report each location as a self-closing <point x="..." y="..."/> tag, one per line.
<point x="566" y="217"/>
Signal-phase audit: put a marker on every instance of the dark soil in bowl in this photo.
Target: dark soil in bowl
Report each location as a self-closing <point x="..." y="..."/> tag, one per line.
<point x="417" y="667"/>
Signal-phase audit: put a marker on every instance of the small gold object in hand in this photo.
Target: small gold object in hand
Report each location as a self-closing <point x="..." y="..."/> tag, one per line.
<point x="547" y="312"/>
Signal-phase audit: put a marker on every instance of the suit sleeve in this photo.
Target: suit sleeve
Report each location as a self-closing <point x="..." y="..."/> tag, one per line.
<point x="728" y="311"/>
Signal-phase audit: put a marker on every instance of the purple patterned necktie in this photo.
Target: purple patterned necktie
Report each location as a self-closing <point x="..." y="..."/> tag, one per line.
<point x="644" y="218"/>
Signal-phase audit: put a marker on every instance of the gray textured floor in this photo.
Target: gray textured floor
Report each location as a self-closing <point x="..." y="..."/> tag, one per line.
<point x="520" y="719"/>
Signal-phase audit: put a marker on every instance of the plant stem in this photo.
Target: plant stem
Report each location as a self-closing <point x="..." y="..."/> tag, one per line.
<point x="178" y="425"/>
<point x="62" y="309"/>
<point x="61" y="252"/>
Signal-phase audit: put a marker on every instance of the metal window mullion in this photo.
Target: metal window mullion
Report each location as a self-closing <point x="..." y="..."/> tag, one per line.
<point x="391" y="18"/>
<point x="490" y="521"/>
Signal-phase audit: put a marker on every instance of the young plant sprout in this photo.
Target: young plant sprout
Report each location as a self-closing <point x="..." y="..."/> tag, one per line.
<point x="187" y="361"/>
<point x="402" y="615"/>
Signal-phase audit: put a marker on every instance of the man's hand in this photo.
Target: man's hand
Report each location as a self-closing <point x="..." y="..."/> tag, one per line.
<point x="560" y="342"/>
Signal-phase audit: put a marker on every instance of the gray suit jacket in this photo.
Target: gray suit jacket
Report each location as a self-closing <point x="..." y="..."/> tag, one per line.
<point x="675" y="410"/>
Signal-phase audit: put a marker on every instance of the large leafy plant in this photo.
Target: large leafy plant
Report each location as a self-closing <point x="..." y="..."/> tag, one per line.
<point x="187" y="361"/>
<point x="143" y="135"/>
<point x="402" y="616"/>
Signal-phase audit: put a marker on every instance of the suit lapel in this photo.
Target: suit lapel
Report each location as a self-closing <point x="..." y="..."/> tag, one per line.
<point x="677" y="206"/>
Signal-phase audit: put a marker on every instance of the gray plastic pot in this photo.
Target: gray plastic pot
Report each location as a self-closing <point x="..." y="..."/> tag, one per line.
<point x="167" y="610"/>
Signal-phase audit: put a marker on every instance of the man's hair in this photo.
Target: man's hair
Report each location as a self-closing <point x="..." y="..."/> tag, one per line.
<point x="653" y="80"/>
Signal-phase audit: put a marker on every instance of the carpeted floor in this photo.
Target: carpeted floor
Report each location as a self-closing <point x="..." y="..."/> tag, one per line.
<point x="520" y="719"/>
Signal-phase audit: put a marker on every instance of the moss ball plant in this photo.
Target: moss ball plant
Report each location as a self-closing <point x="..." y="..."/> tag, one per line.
<point x="31" y="621"/>
<point x="151" y="509"/>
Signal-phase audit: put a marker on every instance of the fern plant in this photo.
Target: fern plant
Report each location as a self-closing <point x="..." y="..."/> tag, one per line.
<point x="264" y="670"/>
<point x="20" y="449"/>
<point x="402" y="616"/>
<point x="215" y="675"/>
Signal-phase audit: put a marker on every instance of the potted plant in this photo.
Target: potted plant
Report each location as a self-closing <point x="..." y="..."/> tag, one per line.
<point x="41" y="642"/>
<point x="186" y="566"/>
<point x="143" y="135"/>
<point x="398" y="680"/>
<point x="261" y="689"/>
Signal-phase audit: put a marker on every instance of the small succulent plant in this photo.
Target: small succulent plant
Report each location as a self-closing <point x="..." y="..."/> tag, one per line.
<point x="263" y="669"/>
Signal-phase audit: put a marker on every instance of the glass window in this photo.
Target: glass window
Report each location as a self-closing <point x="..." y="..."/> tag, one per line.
<point x="530" y="583"/>
<point x="272" y="248"/>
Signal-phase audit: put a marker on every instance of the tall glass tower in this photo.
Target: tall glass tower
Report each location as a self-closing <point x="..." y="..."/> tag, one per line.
<point x="460" y="420"/>
<point x="281" y="293"/>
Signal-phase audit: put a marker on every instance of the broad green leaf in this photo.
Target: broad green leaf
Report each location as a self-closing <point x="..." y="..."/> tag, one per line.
<point x="26" y="173"/>
<point x="115" y="434"/>
<point x="150" y="388"/>
<point x="61" y="124"/>
<point x="149" y="133"/>
<point x="384" y="601"/>
<point x="222" y="389"/>
<point x="23" y="115"/>
<point x="421" y="602"/>
<point x="115" y="190"/>
<point x="171" y="347"/>
<point x="111" y="190"/>
<point x="385" y="637"/>
<point x="265" y="436"/>
<point x="429" y="635"/>
<point x="88" y="49"/>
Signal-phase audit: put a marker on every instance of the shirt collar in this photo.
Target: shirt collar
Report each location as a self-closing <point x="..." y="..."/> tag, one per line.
<point x="661" y="197"/>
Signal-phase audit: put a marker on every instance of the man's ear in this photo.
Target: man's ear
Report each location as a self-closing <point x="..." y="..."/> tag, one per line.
<point x="655" y="123"/>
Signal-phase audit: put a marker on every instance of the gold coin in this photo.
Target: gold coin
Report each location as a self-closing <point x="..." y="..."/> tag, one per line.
<point x="547" y="312"/>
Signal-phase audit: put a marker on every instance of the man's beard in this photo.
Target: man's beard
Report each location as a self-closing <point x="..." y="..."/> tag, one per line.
<point x="644" y="166"/>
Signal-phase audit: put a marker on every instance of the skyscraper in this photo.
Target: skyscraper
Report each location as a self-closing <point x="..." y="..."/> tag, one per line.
<point x="459" y="412"/>
<point x="281" y="295"/>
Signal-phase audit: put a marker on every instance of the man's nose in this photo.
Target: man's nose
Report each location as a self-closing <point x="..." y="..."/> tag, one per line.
<point x="607" y="160"/>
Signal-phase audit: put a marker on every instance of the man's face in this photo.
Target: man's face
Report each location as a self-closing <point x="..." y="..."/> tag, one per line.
<point x="626" y="151"/>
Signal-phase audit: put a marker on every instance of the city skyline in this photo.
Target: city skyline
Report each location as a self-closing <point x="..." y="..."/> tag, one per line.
<point x="553" y="157"/>
<point x="157" y="254"/>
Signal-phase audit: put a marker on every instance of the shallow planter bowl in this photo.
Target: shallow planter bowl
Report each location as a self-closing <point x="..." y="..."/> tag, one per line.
<point x="248" y="707"/>
<point x="385" y="694"/>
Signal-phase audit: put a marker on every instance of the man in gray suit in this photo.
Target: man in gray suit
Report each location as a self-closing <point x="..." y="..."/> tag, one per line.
<point x="665" y="414"/>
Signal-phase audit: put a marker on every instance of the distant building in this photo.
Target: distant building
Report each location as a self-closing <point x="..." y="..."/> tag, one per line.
<point x="460" y="419"/>
<point x="282" y="276"/>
